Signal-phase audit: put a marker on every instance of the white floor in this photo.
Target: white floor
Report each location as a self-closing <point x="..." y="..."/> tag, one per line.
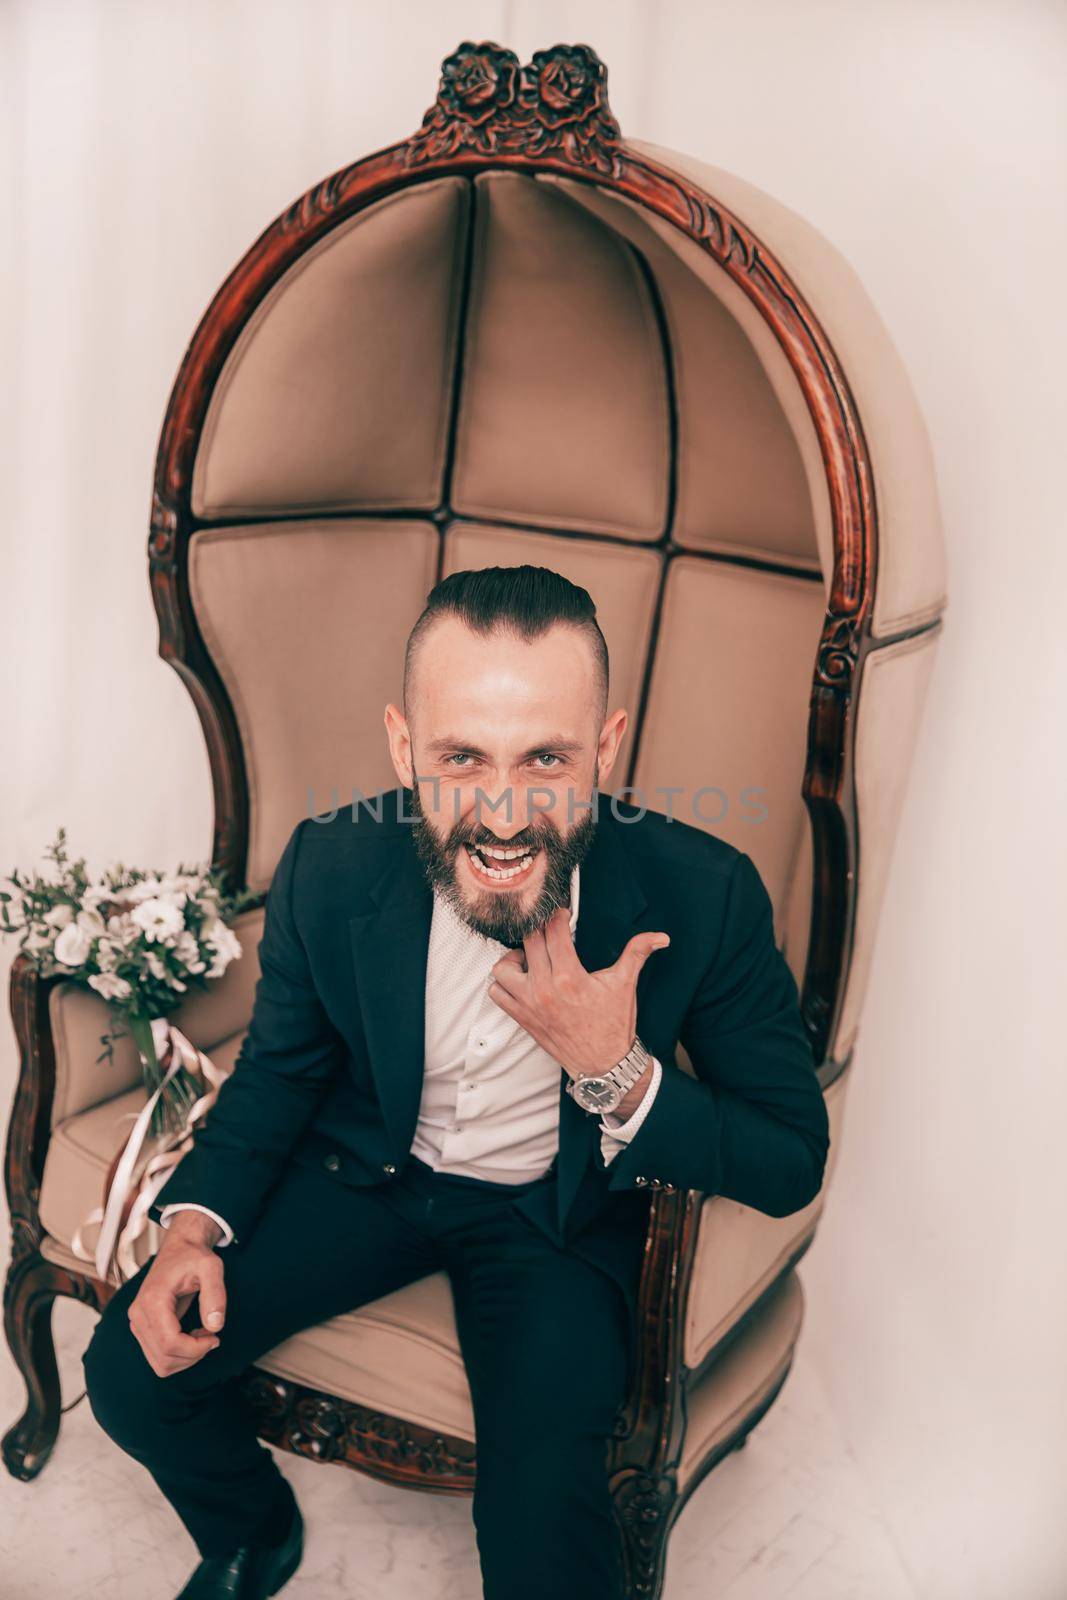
<point x="786" y="1516"/>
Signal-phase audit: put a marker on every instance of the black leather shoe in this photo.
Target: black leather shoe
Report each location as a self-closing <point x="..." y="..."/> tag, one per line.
<point x="252" y="1572"/>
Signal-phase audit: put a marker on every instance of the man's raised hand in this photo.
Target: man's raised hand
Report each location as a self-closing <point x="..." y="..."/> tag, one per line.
<point x="585" y="1020"/>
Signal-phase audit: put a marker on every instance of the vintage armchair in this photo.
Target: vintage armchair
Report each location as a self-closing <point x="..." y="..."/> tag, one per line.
<point x="518" y="337"/>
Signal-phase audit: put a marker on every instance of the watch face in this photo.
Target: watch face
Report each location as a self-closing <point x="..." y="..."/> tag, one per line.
<point x="596" y="1094"/>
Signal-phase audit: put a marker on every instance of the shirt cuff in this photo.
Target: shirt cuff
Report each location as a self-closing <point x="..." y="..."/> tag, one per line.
<point x="191" y="1205"/>
<point x="624" y="1129"/>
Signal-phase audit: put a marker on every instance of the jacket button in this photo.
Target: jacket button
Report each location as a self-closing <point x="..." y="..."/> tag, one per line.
<point x="641" y="1182"/>
<point x="331" y="1162"/>
<point x="389" y="1168"/>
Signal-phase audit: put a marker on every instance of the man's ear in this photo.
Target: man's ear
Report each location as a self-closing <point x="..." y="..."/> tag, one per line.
<point x="611" y="736"/>
<point x="396" y="731"/>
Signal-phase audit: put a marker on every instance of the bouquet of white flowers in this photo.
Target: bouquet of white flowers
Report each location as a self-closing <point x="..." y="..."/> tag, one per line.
<point x="139" y="939"/>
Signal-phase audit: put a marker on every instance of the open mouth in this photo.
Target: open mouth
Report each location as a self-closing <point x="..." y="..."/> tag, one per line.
<point x="501" y="863"/>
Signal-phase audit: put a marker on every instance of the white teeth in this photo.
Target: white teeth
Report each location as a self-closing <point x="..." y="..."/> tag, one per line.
<point x="499" y="872"/>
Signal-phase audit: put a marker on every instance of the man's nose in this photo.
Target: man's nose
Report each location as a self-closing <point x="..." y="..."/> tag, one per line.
<point x="503" y="815"/>
<point x="503" y="832"/>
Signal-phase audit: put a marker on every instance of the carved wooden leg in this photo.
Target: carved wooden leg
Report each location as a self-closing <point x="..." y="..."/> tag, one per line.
<point x="32" y="1286"/>
<point x="644" y="1507"/>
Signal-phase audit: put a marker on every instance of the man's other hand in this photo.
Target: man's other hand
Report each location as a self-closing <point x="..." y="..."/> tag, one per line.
<point x="185" y="1265"/>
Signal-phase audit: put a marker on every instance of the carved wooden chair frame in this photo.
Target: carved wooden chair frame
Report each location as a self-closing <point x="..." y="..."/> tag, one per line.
<point x="551" y="116"/>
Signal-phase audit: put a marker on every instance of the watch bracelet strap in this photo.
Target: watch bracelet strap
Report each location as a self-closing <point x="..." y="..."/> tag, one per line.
<point x="625" y="1073"/>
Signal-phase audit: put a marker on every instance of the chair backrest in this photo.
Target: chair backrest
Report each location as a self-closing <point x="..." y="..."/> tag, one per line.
<point x="496" y="351"/>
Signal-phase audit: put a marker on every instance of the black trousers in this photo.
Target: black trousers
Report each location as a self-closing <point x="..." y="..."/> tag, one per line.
<point x="544" y="1334"/>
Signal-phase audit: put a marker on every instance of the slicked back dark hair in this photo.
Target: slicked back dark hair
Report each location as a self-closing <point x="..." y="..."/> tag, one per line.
<point x="526" y="601"/>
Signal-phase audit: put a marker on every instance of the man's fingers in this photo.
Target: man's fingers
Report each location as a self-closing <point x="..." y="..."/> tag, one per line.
<point x="164" y="1298"/>
<point x="560" y="943"/>
<point x="637" y="952"/>
<point x="166" y="1366"/>
<point x="212" y="1293"/>
<point x="537" y="962"/>
<point x="166" y="1348"/>
<point x="507" y="1002"/>
<point x="163" y="1330"/>
<point x="510" y="972"/>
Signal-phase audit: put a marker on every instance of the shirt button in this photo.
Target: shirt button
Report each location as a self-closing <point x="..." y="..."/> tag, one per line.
<point x="389" y="1168"/>
<point x="331" y="1162"/>
<point x="641" y="1182"/>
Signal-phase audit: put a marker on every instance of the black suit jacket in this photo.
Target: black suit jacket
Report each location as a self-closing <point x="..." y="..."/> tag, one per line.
<point x="330" y="1070"/>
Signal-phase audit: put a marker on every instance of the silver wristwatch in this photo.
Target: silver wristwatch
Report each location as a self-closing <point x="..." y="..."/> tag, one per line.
<point x="602" y="1092"/>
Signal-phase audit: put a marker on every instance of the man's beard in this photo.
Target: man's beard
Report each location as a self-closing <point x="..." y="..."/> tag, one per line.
<point x="492" y="913"/>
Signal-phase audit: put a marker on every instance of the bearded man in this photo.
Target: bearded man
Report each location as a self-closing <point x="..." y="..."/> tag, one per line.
<point x="461" y="1056"/>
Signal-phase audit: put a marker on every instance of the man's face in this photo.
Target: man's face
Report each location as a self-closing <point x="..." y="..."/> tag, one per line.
<point x="503" y="748"/>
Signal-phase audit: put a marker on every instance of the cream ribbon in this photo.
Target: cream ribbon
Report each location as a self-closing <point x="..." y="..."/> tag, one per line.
<point x="114" y="1256"/>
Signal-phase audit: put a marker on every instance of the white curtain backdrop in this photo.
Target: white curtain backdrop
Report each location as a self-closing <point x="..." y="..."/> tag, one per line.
<point x="145" y="144"/>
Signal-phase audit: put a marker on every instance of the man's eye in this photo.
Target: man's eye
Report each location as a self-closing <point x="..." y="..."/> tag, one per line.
<point x="460" y="756"/>
<point x="545" y="755"/>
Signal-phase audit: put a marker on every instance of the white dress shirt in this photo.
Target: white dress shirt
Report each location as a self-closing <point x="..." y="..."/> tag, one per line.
<point x="490" y="1093"/>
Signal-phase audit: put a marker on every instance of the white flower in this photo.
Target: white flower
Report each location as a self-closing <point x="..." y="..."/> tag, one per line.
<point x="38" y="939"/>
<point x="110" y="985"/>
<point x="160" y="918"/>
<point x="155" y="964"/>
<point x="227" y="948"/>
<point x="188" y="951"/>
<point x="59" y="915"/>
<point x="122" y="928"/>
<point x="73" y="945"/>
<point x="92" y="922"/>
<point x="211" y="916"/>
<point x="146" y="889"/>
<point x="106" y="955"/>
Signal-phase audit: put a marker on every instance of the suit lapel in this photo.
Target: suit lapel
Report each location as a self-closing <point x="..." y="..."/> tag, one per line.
<point x="609" y="914"/>
<point x="390" y="942"/>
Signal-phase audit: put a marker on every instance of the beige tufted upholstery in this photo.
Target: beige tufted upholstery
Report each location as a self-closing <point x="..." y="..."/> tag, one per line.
<point x="294" y="423"/>
<point x="309" y="664"/>
<point x="912" y="580"/>
<point x="604" y="394"/>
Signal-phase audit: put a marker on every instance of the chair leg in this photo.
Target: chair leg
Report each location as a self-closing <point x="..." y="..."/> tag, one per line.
<point x="644" y="1510"/>
<point x="29" y="1294"/>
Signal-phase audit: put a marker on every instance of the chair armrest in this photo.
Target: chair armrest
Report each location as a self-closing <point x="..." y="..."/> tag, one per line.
<point x="29" y="1126"/>
<point x="740" y="1252"/>
<point x="650" y="1428"/>
<point x="78" y="1021"/>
